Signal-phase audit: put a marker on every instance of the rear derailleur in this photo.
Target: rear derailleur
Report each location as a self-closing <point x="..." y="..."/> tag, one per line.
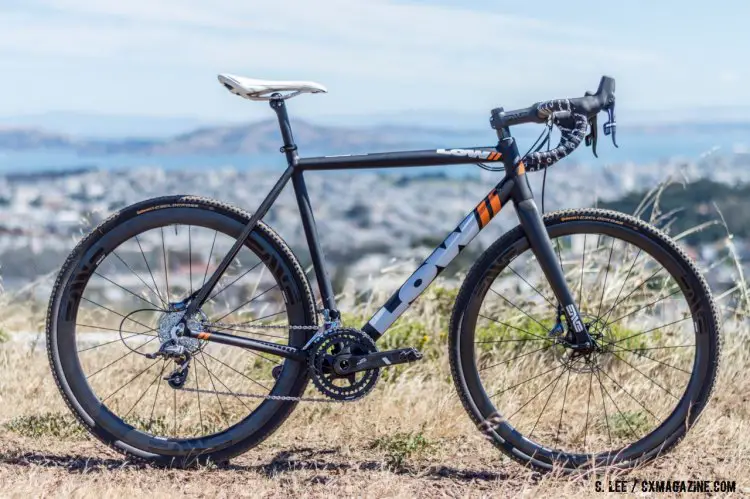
<point x="181" y="356"/>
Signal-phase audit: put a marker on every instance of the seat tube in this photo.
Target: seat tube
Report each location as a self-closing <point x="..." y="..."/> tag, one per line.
<point x="541" y="245"/>
<point x="313" y="243"/>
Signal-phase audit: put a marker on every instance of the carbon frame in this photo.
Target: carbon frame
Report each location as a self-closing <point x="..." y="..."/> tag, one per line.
<point x="513" y="187"/>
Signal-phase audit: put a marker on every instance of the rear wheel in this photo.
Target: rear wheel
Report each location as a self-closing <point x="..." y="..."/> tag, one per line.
<point x="645" y="305"/>
<point x="110" y="308"/>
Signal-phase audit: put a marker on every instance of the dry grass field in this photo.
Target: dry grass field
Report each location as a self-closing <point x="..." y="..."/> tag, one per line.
<point x="410" y="438"/>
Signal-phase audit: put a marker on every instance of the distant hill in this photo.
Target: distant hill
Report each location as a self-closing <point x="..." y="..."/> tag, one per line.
<point x="259" y="137"/>
<point x="696" y="204"/>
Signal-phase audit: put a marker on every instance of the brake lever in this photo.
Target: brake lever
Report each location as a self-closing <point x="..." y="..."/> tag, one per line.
<point x="610" y="127"/>
<point x="592" y="136"/>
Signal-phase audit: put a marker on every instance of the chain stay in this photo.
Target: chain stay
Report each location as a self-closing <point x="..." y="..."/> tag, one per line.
<point x="264" y="397"/>
<point x="222" y="325"/>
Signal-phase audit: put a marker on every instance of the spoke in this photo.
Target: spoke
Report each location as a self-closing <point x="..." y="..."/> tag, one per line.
<point x="135" y="274"/>
<point x="260" y="318"/>
<point x="238" y="372"/>
<point x="129" y="291"/>
<point x="617" y="407"/>
<point x="517" y="357"/>
<point x="205" y="366"/>
<point x="134" y="350"/>
<point x="619" y="293"/>
<point x="149" y="271"/>
<point x="211" y="378"/>
<point x="248" y="302"/>
<point x="190" y="264"/>
<point x="264" y="358"/>
<point x="198" y="392"/>
<point x="113" y="341"/>
<point x="653" y="348"/>
<point x="158" y="375"/>
<point x="536" y="395"/>
<point x="515" y="328"/>
<point x="518" y="308"/>
<point x="644" y="306"/>
<point x="604" y="405"/>
<point x="604" y="285"/>
<point x="583" y="264"/>
<point x="651" y="330"/>
<point x="645" y="376"/>
<point x="174" y="412"/>
<point x="625" y="298"/>
<point x="231" y="283"/>
<point x="164" y="259"/>
<point x="588" y="406"/>
<point x="208" y="262"/>
<point x="118" y="314"/>
<point x="506" y="341"/>
<point x="116" y="330"/>
<point x="637" y="352"/>
<point x="130" y="380"/>
<point x="562" y="410"/>
<point x="156" y="396"/>
<point x="546" y="403"/>
<point x="559" y="258"/>
<point x="629" y="395"/>
<point x="532" y="287"/>
<point x="522" y="382"/>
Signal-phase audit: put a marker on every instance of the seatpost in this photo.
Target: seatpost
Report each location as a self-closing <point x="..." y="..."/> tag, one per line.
<point x="289" y="148"/>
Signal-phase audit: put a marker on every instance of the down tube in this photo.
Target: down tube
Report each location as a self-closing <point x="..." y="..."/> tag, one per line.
<point x="440" y="258"/>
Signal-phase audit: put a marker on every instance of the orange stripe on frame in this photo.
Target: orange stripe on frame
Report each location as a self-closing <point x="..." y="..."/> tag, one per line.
<point x="495" y="202"/>
<point x="484" y="214"/>
<point x="521" y="168"/>
<point x="204" y="336"/>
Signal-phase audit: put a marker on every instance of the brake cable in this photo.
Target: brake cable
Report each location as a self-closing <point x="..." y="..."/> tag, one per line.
<point x="544" y="138"/>
<point x="541" y="137"/>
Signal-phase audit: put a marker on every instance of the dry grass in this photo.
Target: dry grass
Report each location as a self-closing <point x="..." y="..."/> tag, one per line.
<point x="411" y="437"/>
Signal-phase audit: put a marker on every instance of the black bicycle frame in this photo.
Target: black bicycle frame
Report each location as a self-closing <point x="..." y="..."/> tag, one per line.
<point x="513" y="187"/>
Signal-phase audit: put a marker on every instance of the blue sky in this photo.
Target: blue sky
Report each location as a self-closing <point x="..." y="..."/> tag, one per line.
<point x="159" y="58"/>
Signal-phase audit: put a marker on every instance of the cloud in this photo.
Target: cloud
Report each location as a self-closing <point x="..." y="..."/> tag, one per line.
<point x="374" y="54"/>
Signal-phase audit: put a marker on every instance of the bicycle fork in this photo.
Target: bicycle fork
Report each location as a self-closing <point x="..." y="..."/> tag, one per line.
<point x="541" y="245"/>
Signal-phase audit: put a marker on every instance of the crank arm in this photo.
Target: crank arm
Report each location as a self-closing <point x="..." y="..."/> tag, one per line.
<point x="250" y="344"/>
<point x="348" y="364"/>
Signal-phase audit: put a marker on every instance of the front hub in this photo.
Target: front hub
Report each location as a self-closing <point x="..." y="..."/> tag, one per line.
<point x="589" y="358"/>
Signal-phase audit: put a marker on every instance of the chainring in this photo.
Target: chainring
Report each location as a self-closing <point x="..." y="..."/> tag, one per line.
<point x="321" y="357"/>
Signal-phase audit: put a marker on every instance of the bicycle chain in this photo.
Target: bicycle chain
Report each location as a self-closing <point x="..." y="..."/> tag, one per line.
<point x="284" y="398"/>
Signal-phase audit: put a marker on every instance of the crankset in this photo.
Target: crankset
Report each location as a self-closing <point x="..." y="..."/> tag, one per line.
<point x="345" y="364"/>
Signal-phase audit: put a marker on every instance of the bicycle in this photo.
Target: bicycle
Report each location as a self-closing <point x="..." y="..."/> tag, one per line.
<point x="626" y="390"/>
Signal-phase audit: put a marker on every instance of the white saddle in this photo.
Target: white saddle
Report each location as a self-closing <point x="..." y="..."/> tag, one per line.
<point x="253" y="89"/>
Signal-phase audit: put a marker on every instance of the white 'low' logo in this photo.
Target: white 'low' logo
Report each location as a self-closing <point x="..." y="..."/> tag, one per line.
<point x="471" y="153"/>
<point x="577" y="325"/>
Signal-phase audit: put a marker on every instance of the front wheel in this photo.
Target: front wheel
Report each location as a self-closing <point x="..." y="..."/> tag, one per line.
<point x="112" y="308"/>
<point x="649" y="312"/>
